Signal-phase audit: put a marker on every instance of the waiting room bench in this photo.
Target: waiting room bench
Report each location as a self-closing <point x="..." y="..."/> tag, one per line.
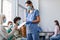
<point x="45" y="35"/>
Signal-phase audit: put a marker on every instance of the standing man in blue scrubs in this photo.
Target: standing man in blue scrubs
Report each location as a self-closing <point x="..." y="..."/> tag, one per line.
<point x="32" y="20"/>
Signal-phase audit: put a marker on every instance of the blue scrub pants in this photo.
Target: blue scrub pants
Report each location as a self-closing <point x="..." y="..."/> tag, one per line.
<point x="33" y="36"/>
<point x="57" y="37"/>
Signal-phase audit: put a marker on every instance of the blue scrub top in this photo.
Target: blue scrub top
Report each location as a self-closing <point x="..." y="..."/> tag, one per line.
<point x="32" y="27"/>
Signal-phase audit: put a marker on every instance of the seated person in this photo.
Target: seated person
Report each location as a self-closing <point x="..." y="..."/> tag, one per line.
<point x="56" y="35"/>
<point x="17" y="23"/>
<point x="10" y="25"/>
<point x="3" y="34"/>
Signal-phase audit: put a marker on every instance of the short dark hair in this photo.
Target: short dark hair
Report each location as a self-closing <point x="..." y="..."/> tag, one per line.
<point x="29" y="2"/>
<point x="16" y="19"/>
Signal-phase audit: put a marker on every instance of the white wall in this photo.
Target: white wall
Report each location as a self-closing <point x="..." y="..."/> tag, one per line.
<point x="17" y="10"/>
<point x="35" y="3"/>
<point x="21" y="9"/>
<point x="13" y="9"/>
<point x="49" y="11"/>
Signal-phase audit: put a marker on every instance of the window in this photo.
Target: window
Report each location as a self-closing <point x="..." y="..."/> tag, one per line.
<point x="14" y="7"/>
<point x="22" y="9"/>
<point x="7" y="7"/>
<point x="22" y="12"/>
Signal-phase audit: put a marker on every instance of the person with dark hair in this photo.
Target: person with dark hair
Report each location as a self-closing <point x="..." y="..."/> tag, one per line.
<point x="17" y="20"/>
<point x="32" y="20"/>
<point x="17" y="23"/>
<point x="56" y="35"/>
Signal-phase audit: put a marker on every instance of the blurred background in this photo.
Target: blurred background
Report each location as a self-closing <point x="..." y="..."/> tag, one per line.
<point x="49" y="11"/>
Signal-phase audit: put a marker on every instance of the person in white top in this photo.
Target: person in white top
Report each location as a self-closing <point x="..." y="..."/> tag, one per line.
<point x="56" y="35"/>
<point x="17" y="21"/>
<point x="3" y="34"/>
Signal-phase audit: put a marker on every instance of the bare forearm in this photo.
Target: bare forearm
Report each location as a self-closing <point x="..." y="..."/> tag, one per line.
<point x="35" y="21"/>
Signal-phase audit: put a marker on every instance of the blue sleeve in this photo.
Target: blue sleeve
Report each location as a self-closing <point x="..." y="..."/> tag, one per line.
<point x="26" y="14"/>
<point x="36" y="13"/>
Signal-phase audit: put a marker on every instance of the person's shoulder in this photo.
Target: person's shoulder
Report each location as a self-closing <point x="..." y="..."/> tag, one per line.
<point x="56" y="27"/>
